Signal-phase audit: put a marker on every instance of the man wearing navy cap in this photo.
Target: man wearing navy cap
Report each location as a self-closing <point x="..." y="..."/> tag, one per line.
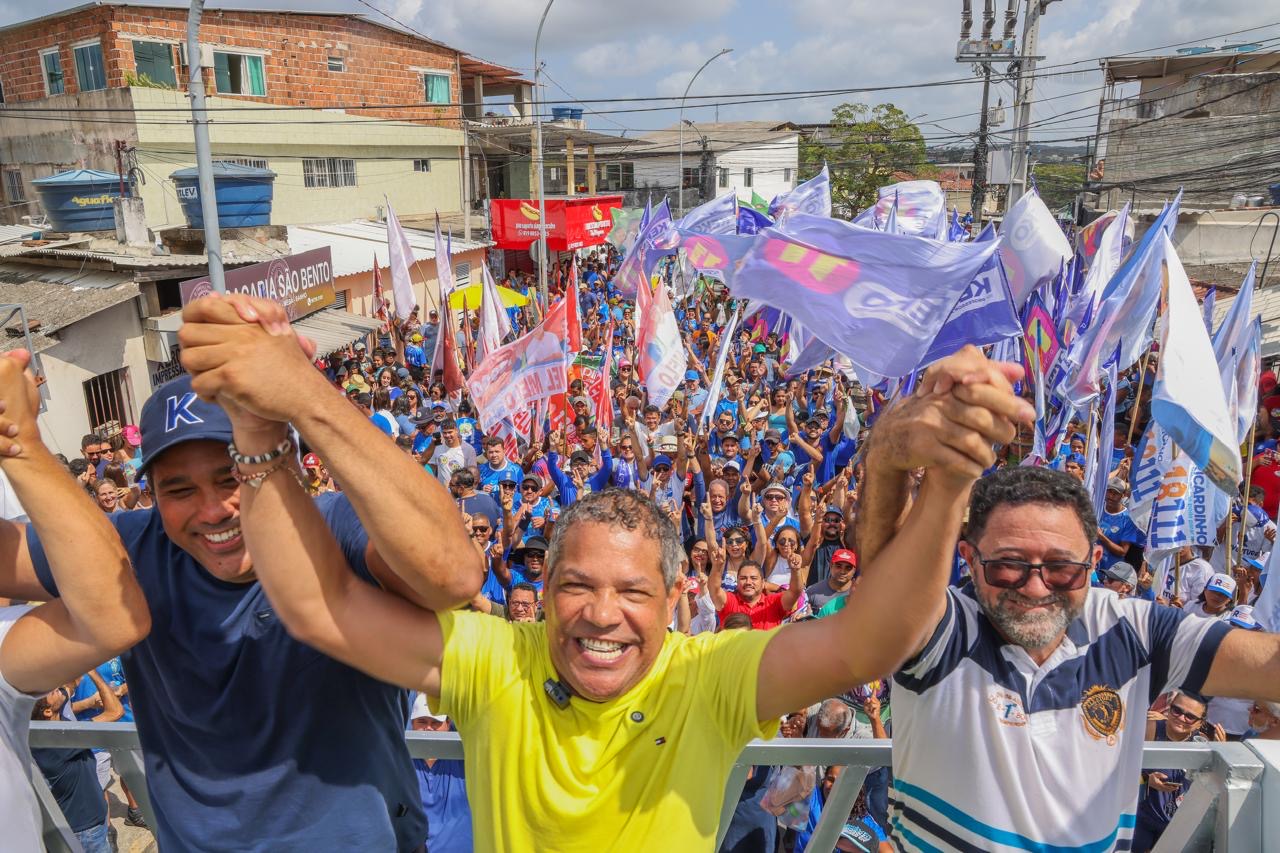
<point x="240" y="722"/>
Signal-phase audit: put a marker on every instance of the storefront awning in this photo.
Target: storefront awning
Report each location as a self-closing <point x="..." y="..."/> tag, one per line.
<point x="334" y="328"/>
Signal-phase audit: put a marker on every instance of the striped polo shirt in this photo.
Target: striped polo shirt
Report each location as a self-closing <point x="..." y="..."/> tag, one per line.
<point x="992" y="752"/>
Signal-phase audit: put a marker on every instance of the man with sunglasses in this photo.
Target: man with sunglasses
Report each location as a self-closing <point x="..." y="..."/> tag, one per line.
<point x="1029" y="679"/>
<point x="1162" y="790"/>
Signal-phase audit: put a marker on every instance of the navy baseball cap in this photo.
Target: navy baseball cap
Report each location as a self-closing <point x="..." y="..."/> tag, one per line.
<point x="173" y="414"/>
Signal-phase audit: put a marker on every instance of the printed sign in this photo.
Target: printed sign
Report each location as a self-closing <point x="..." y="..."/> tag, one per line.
<point x="302" y="284"/>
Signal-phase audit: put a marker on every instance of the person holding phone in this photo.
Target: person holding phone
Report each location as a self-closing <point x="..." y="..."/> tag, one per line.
<point x="1162" y="790"/>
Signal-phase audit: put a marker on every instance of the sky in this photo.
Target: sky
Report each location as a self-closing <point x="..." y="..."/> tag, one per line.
<point x="595" y="49"/>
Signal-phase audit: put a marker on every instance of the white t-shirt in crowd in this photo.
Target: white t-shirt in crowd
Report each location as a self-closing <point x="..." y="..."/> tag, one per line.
<point x="19" y="810"/>
<point x="447" y="460"/>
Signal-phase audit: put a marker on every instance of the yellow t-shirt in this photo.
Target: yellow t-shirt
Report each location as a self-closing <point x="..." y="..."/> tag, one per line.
<point x="645" y="771"/>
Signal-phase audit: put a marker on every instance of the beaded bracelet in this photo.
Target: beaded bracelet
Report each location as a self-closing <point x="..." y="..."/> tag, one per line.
<point x="256" y="479"/>
<point x="240" y="459"/>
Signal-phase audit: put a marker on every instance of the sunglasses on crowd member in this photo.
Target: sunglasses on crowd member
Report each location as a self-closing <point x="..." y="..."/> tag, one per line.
<point x="735" y="540"/>
<point x="480" y="531"/>
<point x="662" y="469"/>
<point x="1057" y="575"/>
<point x="528" y="487"/>
<point x="1182" y="714"/>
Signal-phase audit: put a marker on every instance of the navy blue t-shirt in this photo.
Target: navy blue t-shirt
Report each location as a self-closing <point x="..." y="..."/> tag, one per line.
<point x="252" y="740"/>
<point x="72" y="775"/>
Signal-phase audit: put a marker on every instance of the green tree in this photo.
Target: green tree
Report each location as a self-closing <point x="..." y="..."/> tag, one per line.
<point x="1058" y="183"/>
<point x="863" y="148"/>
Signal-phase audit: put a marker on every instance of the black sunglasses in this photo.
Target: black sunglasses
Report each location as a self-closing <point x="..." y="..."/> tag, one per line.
<point x="1057" y="575"/>
<point x="736" y="541"/>
<point x="1183" y="714"/>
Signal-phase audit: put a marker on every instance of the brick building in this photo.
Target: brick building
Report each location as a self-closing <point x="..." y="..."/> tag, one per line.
<point x="306" y="94"/>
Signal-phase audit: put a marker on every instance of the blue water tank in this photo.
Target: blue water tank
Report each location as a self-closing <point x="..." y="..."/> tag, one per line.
<point x="243" y="195"/>
<point x="563" y="113"/>
<point x="79" y="200"/>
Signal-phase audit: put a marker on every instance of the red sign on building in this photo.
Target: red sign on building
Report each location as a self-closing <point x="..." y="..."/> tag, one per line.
<point x="572" y="223"/>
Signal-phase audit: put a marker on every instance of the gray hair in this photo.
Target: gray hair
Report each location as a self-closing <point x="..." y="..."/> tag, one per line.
<point x="629" y="510"/>
<point x="835" y="715"/>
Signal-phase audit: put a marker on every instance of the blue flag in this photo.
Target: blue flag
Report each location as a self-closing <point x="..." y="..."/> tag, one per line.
<point x="1211" y="299"/>
<point x="1099" y="466"/>
<point x="1125" y="313"/>
<point x="637" y="267"/>
<point x="1236" y="348"/>
<point x="984" y="314"/>
<point x="956" y="233"/>
<point x="877" y="298"/>
<point x="751" y="221"/>
<point x="812" y="197"/>
<point x="718" y="216"/>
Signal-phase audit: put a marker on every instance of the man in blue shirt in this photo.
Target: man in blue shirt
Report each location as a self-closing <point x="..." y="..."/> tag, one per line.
<point x="238" y="720"/>
<point x="1116" y="531"/>
<point x="496" y="466"/>
<point x="442" y="786"/>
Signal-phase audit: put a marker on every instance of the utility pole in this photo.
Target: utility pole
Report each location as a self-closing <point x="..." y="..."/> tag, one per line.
<point x="984" y="50"/>
<point x="706" y="189"/>
<point x="537" y="162"/>
<point x="979" y="198"/>
<point x="204" y="155"/>
<point x="1022" y="113"/>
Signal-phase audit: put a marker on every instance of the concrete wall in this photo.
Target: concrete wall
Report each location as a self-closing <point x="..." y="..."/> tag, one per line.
<point x="107" y="341"/>
<point x="48" y="143"/>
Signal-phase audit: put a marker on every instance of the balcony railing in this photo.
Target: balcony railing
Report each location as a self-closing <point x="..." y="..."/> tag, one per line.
<point x="1233" y="804"/>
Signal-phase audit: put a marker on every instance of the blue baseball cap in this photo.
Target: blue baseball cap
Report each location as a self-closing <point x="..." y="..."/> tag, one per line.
<point x="173" y="415"/>
<point x="1242" y="617"/>
<point x="690" y="374"/>
<point x="662" y="459"/>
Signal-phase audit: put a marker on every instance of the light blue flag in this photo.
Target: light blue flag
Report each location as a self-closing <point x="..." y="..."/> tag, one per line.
<point x="750" y="220"/>
<point x="714" y="255"/>
<point x="920" y="208"/>
<point x="718" y="216"/>
<point x="1236" y="350"/>
<point x="812" y="197"/>
<point x="984" y="314"/>
<point x="638" y="265"/>
<point x="1188" y="399"/>
<point x="891" y="221"/>
<point x="956" y="233"/>
<point x="1267" y="608"/>
<point x="877" y="298"/>
<point x="1099" y="465"/>
<point x="1125" y="313"/>
<point x="1210" y="299"/>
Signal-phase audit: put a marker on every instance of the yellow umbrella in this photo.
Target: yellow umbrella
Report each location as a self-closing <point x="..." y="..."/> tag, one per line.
<point x="471" y="296"/>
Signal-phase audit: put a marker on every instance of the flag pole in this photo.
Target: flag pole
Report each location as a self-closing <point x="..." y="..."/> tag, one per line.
<point x="1137" y="400"/>
<point x="1244" y="507"/>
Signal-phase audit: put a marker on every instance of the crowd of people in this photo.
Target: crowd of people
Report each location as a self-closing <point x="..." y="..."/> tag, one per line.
<point x="385" y="562"/>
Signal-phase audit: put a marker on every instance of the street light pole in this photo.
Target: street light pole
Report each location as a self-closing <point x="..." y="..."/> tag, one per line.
<point x="537" y="162"/>
<point x="1022" y="115"/>
<point x="680" y="191"/>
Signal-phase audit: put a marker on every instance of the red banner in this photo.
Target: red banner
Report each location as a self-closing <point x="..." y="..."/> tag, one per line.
<point x="572" y="223"/>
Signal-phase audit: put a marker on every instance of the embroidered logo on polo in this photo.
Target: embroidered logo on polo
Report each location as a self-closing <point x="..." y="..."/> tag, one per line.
<point x="1103" y="713"/>
<point x="1007" y="706"/>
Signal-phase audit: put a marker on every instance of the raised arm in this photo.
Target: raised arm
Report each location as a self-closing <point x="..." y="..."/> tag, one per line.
<point x="799" y="577"/>
<point x="100" y="611"/>
<point x="414" y="533"/>
<point x="902" y="594"/>
<point x="112" y="707"/>
<point x="716" y="559"/>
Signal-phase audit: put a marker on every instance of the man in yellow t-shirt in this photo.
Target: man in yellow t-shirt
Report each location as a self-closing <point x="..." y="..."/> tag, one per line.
<point x="599" y="729"/>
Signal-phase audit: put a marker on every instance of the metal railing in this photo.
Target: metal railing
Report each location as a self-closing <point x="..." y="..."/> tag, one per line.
<point x="1223" y="811"/>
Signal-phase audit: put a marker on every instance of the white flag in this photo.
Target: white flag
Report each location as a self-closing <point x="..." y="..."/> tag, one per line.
<point x="495" y="325"/>
<point x="401" y="256"/>
<point x="1188" y="400"/>
<point x="717" y="377"/>
<point x="662" y="359"/>
<point x="444" y="267"/>
<point x="1034" y="249"/>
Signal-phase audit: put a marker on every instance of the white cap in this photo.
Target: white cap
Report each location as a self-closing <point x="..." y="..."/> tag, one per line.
<point x="421" y="709"/>
<point x="1224" y="584"/>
